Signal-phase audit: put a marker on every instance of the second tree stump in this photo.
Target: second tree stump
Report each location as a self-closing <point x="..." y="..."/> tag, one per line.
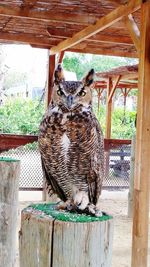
<point x="50" y="238"/>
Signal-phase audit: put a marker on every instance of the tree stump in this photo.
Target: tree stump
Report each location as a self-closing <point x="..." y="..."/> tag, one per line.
<point x="52" y="238"/>
<point x="9" y="184"/>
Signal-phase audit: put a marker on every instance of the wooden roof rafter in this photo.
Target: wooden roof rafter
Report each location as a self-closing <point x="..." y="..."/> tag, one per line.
<point x="119" y="86"/>
<point x="98" y="38"/>
<point x="34" y="22"/>
<point x="100" y="25"/>
<point x="133" y="30"/>
<point x="114" y="86"/>
<point x="30" y="13"/>
<point x="124" y="77"/>
<point x="126" y="72"/>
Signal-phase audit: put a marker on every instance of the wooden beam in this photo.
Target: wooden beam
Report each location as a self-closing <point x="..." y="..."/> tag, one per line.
<point x="100" y="25"/>
<point x="133" y="30"/>
<point x="108" y="110"/>
<point x="142" y="153"/>
<point x="119" y="2"/>
<point x="125" y="77"/>
<point x="125" y="91"/>
<point x="61" y="56"/>
<point x="114" y="86"/>
<point x="28" y="4"/>
<point x="130" y="76"/>
<point x="99" y="93"/>
<point x="27" y="38"/>
<point x="12" y="141"/>
<point x="46" y="15"/>
<point x="99" y="38"/>
<point x="51" y="69"/>
<point x="45" y="42"/>
<point x="121" y="85"/>
<point x="114" y="143"/>
<point x="103" y="51"/>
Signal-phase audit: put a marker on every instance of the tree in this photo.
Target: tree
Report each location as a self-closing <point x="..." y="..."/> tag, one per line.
<point x="82" y="63"/>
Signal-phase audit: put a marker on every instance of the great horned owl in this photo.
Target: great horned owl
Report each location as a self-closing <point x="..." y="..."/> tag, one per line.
<point x="71" y="145"/>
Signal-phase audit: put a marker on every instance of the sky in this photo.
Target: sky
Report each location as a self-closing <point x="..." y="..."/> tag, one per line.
<point x="24" y="58"/>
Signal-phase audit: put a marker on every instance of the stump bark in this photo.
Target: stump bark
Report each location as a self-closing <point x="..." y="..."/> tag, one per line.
<point x="9" y="184"/>
<point x="47" y="241"/>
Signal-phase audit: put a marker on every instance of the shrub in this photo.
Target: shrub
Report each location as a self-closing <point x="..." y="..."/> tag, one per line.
<point x="21" y="116"/>
<point x="24" y="116"/>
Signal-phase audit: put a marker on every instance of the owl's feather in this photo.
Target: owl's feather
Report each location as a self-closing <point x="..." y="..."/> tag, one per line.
<point x="71" y="146"/>
<point x="71" y="143"/>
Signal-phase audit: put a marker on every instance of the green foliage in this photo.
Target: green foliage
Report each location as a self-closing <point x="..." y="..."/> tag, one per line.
<point x="81" y="63"/>
<point x="24" y="116"/>
<point x="123" y="127"/>
<point x="21" y="116"/>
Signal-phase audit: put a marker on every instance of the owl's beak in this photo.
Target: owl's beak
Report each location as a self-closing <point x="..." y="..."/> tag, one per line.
<point x="70" y="101"/>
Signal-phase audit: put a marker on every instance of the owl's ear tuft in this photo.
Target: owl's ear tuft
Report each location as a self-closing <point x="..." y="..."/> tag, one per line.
<point x="59" y="74"/>
<point x="89" y="78"/>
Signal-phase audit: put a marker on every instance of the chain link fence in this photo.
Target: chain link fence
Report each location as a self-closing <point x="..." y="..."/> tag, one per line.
<point x="31" y="177"/>
<point x="117" y="166"/>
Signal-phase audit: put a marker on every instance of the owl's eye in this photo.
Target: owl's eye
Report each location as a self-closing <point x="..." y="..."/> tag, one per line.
<point x="59" y="92"/>
<point x="81" y="93"/>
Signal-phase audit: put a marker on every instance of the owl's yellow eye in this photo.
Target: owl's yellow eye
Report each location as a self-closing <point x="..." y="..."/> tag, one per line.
<point x="59" y="92"/>
<point x="82" y="93"/>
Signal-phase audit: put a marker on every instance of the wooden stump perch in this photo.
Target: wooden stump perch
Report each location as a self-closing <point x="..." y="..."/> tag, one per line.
<point x="9" y="184"/>
<point x="51" y="238"/>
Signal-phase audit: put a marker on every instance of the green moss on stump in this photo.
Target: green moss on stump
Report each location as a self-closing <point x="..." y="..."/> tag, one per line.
<point x="8" y="159"/>
<point x="50" y="210"/>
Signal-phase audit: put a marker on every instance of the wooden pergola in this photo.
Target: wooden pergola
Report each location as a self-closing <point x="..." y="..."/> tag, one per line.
<point x="112" y="27"/>
<point x="124" y="78"/>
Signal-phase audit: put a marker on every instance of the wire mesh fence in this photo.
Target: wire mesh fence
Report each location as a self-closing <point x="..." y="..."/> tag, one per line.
<point x="117" y="166"/>
<point x="31" y="177"/>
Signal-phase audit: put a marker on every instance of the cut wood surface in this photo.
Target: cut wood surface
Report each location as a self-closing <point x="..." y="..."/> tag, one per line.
<point x="64" y="239"/>
<point x="9" y="183"/>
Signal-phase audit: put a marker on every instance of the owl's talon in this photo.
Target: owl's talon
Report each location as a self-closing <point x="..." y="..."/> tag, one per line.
<point x="64" y="205"/>
<point x="81" y="200"/>
<point x="91" y="209"/>
<point x="98" y="213"/>
<point x="70" y="207"/>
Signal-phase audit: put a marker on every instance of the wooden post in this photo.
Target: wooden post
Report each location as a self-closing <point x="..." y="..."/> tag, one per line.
<point x="108" y="123"/>
<point x="9" y="185"/>
<point x="51" y="69"/>
<point x="108" y="110"/>
<point x="98" y="102"/>
<point x="142" y="164"/>
<point x="61" y="56"/>
<point x="131" y="185"/>
<point x="49" y="241"/>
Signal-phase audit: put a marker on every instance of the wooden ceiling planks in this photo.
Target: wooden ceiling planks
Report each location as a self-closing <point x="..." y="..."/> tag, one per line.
<point x="100" y="25"/>
<point x="123" y="70"/>
<point x="35" y="22"/>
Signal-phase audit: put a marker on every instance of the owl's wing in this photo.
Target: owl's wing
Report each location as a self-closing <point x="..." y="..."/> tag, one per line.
<point x="96" y="175"/>
<point x="52" y="185"/>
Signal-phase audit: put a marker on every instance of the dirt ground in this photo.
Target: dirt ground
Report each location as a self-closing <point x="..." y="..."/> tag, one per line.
<point x="114" y="203"/>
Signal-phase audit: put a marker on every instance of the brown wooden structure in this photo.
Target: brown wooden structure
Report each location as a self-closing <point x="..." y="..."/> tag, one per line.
<point x="12" y="141"/>
<point x="112" y="27"/>
<point x="124" y="78"/>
